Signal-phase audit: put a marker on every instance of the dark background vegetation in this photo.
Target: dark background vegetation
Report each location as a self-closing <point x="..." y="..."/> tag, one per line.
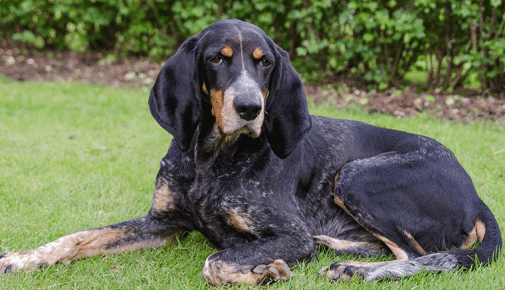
<point x="454" y="42"/>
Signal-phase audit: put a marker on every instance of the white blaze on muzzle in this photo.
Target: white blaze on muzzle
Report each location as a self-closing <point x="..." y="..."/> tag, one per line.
<point x="243" y="107"/>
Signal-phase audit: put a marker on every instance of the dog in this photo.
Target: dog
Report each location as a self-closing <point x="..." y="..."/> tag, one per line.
<point x="267" y="183"/>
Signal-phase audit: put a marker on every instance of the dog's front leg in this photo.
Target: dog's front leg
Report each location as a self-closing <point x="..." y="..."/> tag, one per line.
<point x="163" y="223"/>
<point x="262" y="261"/>
<point x="131" y="235"/>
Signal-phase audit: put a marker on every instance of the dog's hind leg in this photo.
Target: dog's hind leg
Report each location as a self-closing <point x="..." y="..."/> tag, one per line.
<point x="366" y="248"/>
<point x="417" y="203"/>
<point x="345" y="270"/>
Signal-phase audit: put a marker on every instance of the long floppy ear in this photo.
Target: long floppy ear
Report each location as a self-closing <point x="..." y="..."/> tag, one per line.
<point x="175" y="98"/>
<point x="287" y="119"/>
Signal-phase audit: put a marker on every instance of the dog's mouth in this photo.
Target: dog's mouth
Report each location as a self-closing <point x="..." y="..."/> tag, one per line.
<point x="252" y="129"/>
<point x="225" y="138"/>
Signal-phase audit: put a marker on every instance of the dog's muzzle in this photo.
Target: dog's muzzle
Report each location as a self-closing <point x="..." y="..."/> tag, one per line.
<point x="243" y="107"/>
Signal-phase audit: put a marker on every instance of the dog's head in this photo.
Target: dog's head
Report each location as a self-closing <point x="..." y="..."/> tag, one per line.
<point x="248" y="80"/>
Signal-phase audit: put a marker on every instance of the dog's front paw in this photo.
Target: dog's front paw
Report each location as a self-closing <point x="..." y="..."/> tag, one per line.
<point x="346" y="270"/>
<point x="273" y="272"/>
<point x="13" y="262"/>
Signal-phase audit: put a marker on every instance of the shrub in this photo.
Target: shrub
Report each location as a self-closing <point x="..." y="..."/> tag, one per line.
<point x="376" y="41"/>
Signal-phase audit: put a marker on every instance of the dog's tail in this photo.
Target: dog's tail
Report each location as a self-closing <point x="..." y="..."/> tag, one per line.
<point x="491" y="244"/>
<point x="488" y="251"/>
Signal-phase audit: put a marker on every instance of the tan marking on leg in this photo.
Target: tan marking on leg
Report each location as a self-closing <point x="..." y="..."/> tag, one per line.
<point x="204" y="89"/>
<point x="414" y="243"/>
<point x="75" y="246"/>
<point x="481" y="229"/>
<point x="219" y="272"/>
<point x="257" y="53"/>
<point x="364" y="264"/>
<point x="216" y="100"/>
<point x="477" y="233"/>
<point x="163" y="197"/>
<point x="340" y="203"/>
<point x="470" y="241"/>
<point x="227" y="51"/>
<point x="399" y="253"/>
<point x="222" y="273"/>
<point x="240" y="221"/>
<point x="338" y="273"/>
<point x="265" y="93"/>
<point x="342" y="245"/>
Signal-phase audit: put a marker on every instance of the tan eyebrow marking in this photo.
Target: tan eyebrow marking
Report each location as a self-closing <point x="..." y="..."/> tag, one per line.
<point x="227" y="51"/>
<point x="257" y="53"/>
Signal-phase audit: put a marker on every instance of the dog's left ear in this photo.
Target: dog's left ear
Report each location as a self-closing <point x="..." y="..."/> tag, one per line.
<point x="287" y="119"/>
<point x="175" y="98"/>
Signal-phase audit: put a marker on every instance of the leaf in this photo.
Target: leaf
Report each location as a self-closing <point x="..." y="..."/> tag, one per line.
<point x="429" y="98"/>
<point x="368" y="37"/>
<point x="130" y="76"/>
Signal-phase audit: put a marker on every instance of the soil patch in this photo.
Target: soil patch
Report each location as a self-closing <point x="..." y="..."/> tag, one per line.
<point x="463" y="106"/>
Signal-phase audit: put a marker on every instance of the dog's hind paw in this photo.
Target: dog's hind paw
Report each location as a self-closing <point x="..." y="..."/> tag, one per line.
<point x="273" y="272"/>
<point x="346" y="270"/>
<point x="334" y="274"/>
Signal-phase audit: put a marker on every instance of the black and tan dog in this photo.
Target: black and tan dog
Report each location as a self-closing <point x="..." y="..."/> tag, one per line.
<point x="266" y="182"/>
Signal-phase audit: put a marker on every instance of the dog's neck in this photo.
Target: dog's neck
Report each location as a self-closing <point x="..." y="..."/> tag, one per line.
<point x="215" y="152"/>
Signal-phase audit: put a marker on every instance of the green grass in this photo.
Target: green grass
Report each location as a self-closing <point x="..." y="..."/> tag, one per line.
<point x="75" y="156"/>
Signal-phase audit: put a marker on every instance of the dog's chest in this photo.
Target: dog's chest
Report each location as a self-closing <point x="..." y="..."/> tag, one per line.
<point x="228" y="209"/>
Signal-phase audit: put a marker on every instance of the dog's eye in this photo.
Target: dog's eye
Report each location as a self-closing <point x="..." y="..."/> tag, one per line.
<point x="217" y="59"/>
<point x="265" y="62"/>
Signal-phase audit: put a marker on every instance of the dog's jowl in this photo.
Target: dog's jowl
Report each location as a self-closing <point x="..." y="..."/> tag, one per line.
<point x="267" y="184"/>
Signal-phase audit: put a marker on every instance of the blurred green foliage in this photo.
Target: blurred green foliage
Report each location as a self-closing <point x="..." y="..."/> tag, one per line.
<point x="378" y="41"/>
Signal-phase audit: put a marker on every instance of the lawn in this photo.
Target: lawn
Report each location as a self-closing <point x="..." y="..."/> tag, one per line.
<point x="76" y="156"/>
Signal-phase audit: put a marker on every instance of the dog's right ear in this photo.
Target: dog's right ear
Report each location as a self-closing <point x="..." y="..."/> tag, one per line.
<point x="175" y="98"/>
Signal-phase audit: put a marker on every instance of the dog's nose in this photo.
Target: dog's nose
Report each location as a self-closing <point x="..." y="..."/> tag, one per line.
<point x="248" y="108"/>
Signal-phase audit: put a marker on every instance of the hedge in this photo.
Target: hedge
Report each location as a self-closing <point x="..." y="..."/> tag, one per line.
<point x="377" y="41"/>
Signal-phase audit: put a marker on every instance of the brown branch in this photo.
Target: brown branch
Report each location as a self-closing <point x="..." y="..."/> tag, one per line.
<point x="500" y="29"/>
<point x="429" y="68"/>
<point x="473" y="30"/>
<point x="460" y="78"/>
<point x="493" y="20"/>
<point x="448" y="47"/>
<point x="481" y="21"/>
<point x="385" y="50"/>
<point x="384" y="75"/>
<point x="440" y="59"/>
<point x="484" y="49"/>
<point x="412" y="59"/>
<point x="409" y="61"/>
<point x="398" y="55"/>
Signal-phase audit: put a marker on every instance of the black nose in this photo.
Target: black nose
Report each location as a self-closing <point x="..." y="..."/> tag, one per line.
<point x="247" y="107"/>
